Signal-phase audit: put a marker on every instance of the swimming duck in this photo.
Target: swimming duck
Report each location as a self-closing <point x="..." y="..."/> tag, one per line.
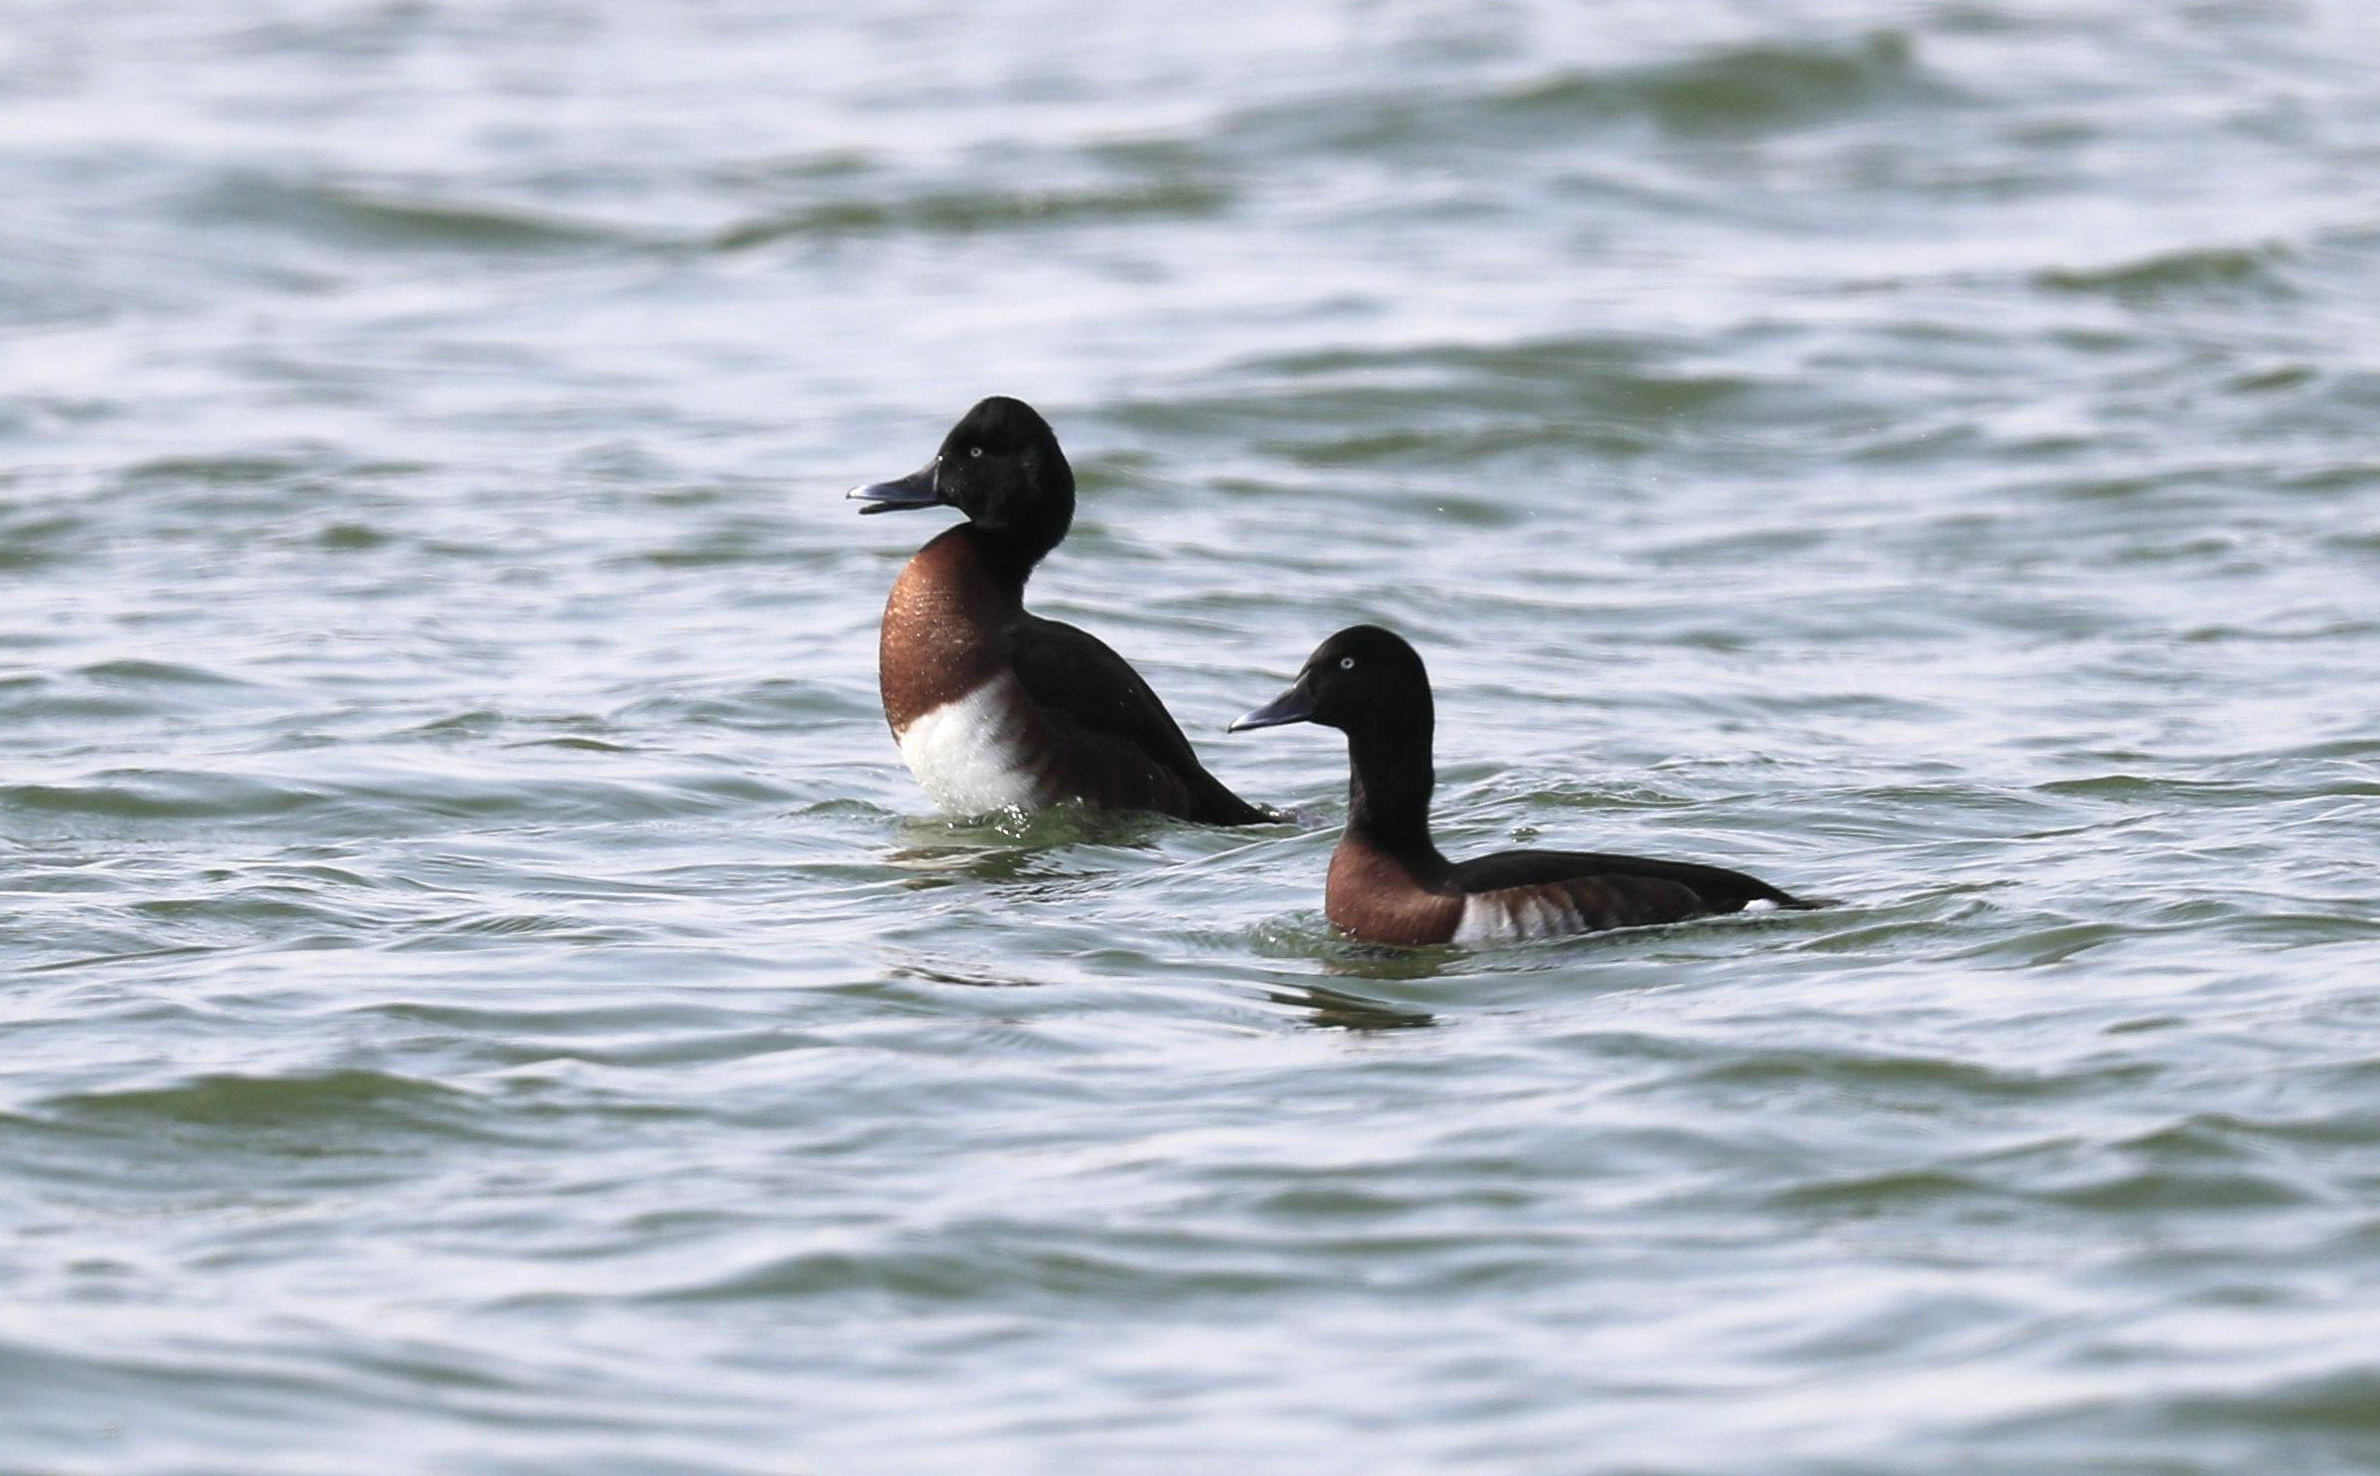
<point x="995" y="708"/>
<point x="1388" y="882"/>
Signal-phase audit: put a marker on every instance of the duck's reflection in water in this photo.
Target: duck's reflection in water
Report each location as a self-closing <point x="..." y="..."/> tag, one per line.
<point x="1012" y="846"/>
<point x="1335" y="1009"/>
<point x="1325" y="1008"/>
<point x="932" y="974"/>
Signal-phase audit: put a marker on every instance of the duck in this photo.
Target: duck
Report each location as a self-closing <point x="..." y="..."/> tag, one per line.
<point x="993" y="707"/>
<point x="1388" y="881"/>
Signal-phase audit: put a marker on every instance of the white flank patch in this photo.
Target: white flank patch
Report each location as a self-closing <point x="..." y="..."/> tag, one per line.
<point x="966" y="754"/>
<point x="1503" y="917"/>
<point x="1760" y="904"/>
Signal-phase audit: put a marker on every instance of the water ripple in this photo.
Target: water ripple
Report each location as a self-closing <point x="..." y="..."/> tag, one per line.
<point x="484" y="989"/>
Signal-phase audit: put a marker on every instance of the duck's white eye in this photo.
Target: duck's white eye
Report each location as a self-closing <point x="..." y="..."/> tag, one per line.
<point x="1346" y="663"/>
<point x="974" y="450"/>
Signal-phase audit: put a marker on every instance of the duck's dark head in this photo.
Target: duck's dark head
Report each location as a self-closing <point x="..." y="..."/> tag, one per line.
<point x="1362" y="681"/>
<point x="1370" y="685"/>
<point x="1001" y="466"/>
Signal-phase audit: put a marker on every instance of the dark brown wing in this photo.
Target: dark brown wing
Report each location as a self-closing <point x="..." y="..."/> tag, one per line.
<point x="1625" y="884"/>
<point x="1122" y="743"/>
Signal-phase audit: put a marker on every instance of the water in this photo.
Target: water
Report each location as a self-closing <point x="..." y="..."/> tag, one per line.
<point x="483" y="995"/>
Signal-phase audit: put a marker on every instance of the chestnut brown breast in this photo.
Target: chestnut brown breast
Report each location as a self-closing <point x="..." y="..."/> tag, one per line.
<point x="945" y="631"/>
<point x="1373" y="896"/>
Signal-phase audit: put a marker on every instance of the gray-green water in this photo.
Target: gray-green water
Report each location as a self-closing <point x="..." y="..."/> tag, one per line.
<point x="482" y="995"/>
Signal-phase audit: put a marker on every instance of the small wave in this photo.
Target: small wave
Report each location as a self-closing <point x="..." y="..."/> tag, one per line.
<point x="2346" y="476"/>
<point x="115" y="692"/>
<point x="967" y="212"/>
<point x="401" y="795"/>
<point x="154" y="794"/>
<point x="977" y="1262"/>
<point x="222" y="471"/>
<point x="349" y="537"/>
<point x="291" y="485"/>
<point x="1906" y="1075"/>
<point x="1880" y="1193"/>
<point x="575" y="745"/>
<point x="229" y="1100"/>
<point x="2224" y="270"/>
<point x="36" y="540"/>
<point x="1465" y="405"/>
<point x="2346" y="1402"/>
<point x="1730" y="91"/>
<point x="472" y="931"/>
<point x="1750" y="88"/>
<point x="2195" y="1193"/>
<point x="2041" y="946"/>
<point x="364" y="215"/>
<point x="143" y="673"/>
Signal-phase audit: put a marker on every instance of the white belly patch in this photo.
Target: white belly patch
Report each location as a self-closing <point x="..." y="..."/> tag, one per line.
<point x="1512" y="917"/>
<point x="968" y="755"/>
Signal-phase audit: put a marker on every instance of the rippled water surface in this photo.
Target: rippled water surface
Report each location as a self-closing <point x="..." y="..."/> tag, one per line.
<point x="482" y="994"/>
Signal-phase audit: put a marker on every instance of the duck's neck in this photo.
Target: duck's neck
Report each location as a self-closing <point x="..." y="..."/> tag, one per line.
<point x="1388" y="795"/>
<point x="1006" y="555"/>
<point x="1025" y="532"/>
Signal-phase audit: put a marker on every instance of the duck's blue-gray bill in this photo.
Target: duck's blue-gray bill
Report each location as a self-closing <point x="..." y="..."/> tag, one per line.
<point x="918" y="489"/>
<point x="1292" y="706"/>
